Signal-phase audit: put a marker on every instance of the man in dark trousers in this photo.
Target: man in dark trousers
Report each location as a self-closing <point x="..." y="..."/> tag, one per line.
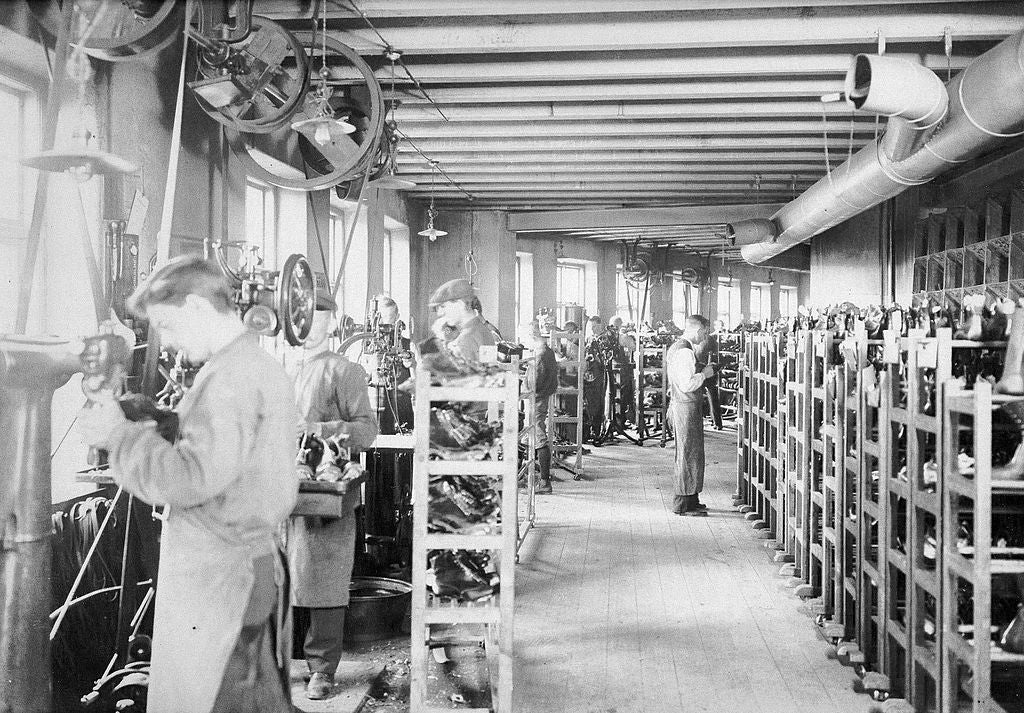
<point x="545" y="385"/>
<point x="333" y="405"/>
<point x="706" y="352"/>
<point x="686" y="409"/>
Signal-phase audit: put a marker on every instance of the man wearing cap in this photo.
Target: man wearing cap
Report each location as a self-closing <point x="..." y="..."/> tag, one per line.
<point x="453" y="301"/>
<point x="333" y="404"/>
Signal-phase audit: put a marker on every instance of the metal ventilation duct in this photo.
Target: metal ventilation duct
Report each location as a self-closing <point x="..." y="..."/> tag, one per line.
<point x="985" y="107"/>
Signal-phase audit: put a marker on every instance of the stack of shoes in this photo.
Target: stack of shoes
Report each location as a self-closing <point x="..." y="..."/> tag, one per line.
<point x="463" y="505"/>
<point x="462" y="575"/>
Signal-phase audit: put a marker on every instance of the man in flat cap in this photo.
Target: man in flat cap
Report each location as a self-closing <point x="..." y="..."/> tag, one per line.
<point x="453" y="301"/>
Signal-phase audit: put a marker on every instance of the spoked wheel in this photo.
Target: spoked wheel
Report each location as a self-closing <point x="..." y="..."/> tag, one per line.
<point x="336" y="157"/>
<point x="254" y="85"/>
<point x="121" y="29"/>
<point x="296" y="299"/>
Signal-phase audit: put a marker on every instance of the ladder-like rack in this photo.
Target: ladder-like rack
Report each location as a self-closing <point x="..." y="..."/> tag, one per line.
<point x="568" y="456"/>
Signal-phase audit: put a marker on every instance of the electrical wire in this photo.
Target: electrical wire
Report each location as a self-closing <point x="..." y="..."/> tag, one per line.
<point x="428" y="159"/>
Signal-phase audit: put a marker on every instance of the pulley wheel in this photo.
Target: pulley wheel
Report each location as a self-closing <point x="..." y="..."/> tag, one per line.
<point x="296" y="299"/>
<point x="323" y="167"/>
<point x="263" y="98"/>
<point x="126" y="30"/>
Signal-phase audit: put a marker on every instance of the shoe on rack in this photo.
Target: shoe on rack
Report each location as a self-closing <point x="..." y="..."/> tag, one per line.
<point x="319" y="686"/>
<point x="544" y="488"/>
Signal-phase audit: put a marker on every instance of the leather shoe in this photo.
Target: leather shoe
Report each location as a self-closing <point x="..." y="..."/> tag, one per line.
<point x="543" y="488"/>
<point x="319" y="686"/>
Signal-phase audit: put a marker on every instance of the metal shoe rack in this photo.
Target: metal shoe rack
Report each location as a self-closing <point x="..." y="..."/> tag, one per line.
<point x="759" y="445"/>
<point x="652" y="421"/>
<point x="433" y="617"/>
<point x="973" y="499"/>
<point x="527" y="511"/>
<point x="568" y="456"/>
<point x="901" y="598"/>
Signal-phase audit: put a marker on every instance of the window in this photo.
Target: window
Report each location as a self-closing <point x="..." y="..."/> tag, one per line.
<point x="787" y="301"/>
<point x="18" y="136"/>
<point x="728" y="303"/>
<point x="760" y="303"/>
<point x="261" y="220"/>
<point x="570" y="285"/>
<point x="524" y="291"/>
<point x="353" y="297"/>
<point x="685" y="301"/>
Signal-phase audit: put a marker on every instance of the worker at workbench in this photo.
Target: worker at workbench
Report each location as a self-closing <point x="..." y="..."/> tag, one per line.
<point x="453" y="301"/>
<point x="229" y="481"/>
<point x="333" y="404"/>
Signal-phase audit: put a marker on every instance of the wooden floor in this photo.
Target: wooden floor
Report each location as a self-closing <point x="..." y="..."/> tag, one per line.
<point x="622" y="605"/>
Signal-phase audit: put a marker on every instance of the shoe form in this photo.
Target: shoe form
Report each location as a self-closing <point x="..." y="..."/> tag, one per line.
<point x="1011" y="381"/>
<point x="319" y="686"/>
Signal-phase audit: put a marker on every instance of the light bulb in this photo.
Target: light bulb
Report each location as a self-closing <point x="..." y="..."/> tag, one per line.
<point x="433" y="236"/>
<point x="81" y="173"/>
<point x="323" y="133"/>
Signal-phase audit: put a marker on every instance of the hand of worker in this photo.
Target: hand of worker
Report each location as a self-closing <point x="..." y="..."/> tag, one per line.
<point x="98" y="421"/>
<point x="708" y="371"/>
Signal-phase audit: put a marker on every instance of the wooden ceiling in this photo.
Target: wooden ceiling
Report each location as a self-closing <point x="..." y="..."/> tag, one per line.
<point x="554" y="105"/>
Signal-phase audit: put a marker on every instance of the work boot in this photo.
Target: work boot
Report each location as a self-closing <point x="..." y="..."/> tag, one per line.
<point x="319" y="686"/>
<point x="544" y="463"/>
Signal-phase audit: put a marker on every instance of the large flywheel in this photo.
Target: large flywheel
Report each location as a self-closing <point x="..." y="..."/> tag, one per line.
<point x="330" y="154"/>
<point x="119" y="30"/>
<point x="296" y="299"/>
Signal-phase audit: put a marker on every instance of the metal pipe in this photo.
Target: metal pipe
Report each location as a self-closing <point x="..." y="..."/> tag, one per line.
<point x="31" y="369"/>
<point x="751" y="231"/>
<point x="985" y="107"/>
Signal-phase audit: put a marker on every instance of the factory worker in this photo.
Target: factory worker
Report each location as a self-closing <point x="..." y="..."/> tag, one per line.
<point x="544" y="376"/>
<point x="453" y="301"/>
<point x="229" y="481"/>
<point x="333" y="404"/>
<point x="686" y="410"/>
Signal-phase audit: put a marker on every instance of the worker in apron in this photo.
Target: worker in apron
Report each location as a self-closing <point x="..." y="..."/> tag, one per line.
<point x="333" y="402"/>
<point x="229" y="482"/>
<point x="686" y="409"/>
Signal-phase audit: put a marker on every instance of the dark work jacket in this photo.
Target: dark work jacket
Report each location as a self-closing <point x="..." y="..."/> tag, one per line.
<point x="547" y="373"/>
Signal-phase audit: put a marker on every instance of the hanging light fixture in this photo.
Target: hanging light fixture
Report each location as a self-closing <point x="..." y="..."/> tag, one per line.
<point x="390" y="180"/>
<point x="79" y="157"/>
<point x="771" y="278"/>
<point x="325" y="126"/>
<point x="430" y="231"/>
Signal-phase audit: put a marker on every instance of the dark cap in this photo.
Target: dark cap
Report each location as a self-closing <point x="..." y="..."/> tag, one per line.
<point x="324" y="301"/>
<point x="457" y="289"/>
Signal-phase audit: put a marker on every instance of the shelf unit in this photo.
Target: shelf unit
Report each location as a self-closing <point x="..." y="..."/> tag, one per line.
<point x="568" y="456"/>
<point x="745" y="432"/>
<point x="760" y="423"/>
<point x="526" y="513"/>
<point x="730" y="352"/>
<point x="798" y="447"/>
<point x="496" y="614"/>
<point x="970" y="667"/>
<point x="652" y="421"/>
<point x="821" y="482"/>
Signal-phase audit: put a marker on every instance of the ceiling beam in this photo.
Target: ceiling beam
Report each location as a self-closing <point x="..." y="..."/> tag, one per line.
<point x="622" y="66"/>
<point x="763" y="155"/>
<point x="767" y="178"/>
<point x="304" y="9"/>
<point x="602" y="143"/>
<point x="632" y="217"/>
<point x="765" y="27"/>
<point x="766" y="89"/>
<point x="724" y="126"/>
<point x="618" y="110"/>
<point x="468" y="171"/>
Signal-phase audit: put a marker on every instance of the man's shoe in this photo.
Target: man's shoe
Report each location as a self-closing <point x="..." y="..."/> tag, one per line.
<point x="698" y="505"/>
<point x="544" y="488"/>
<point x="319" y="686"/>
<point x="694" y="513"/>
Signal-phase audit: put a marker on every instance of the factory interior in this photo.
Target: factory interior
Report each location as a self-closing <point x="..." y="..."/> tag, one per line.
<point x="409" y="356"/>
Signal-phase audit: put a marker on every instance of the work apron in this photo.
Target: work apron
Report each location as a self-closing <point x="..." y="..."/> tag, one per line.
<point x="687" y="413"/>
<point x="204" y="589"/>
<point x="321" y="554"/>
